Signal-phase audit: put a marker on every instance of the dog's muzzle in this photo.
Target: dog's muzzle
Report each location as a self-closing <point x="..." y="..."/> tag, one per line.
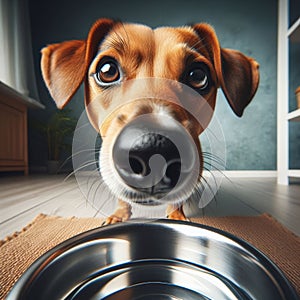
<point x="154" y="156"/>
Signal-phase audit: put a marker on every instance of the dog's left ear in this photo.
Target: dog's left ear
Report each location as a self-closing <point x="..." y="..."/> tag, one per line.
<point x="64" y="65"/>
<point x="237" y="73"/>
<point x="239" y="79"/>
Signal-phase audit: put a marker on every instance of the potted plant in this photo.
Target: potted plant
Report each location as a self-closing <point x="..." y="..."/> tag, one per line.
<point x="56" y="130"/>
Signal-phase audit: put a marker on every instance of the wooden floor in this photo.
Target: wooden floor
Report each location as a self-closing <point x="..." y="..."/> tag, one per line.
<point x="23" y="198"/>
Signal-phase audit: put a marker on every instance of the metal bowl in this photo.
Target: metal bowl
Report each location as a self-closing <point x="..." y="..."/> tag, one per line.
<point x="156" y="260"/>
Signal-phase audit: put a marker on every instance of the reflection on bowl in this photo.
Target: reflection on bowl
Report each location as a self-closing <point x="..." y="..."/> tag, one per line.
<point x="162" y="259"/>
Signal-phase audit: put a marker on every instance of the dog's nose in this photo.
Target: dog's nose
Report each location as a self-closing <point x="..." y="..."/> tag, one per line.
<point x="153" y="157"/>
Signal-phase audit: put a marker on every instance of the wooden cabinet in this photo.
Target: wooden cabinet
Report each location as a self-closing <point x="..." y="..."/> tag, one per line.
<point x="13" y="129"/>
<point x="13" y="136"/>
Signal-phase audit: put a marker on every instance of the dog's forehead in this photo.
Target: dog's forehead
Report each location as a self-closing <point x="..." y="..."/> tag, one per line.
<point x="127" y="35"/>
<point x="185" y="35"/>
<point x="132" y="36"/>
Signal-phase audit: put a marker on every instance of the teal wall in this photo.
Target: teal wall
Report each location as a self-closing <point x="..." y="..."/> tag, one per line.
<point x="249" y="26"/>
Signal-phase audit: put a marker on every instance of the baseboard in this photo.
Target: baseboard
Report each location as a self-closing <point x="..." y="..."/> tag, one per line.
<point x="250" y="173"/>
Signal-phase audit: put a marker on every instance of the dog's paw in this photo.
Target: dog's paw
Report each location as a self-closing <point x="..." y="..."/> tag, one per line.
<point x="120" y="215"/>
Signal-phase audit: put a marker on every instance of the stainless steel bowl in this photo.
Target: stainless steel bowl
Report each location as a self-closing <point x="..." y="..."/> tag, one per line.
<point x="156" y="260"/>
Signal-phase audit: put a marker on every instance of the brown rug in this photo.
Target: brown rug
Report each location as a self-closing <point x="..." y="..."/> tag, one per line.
<point x="19" y="251"/>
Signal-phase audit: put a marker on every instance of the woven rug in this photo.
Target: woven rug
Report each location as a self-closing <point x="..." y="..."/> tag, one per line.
<point x="20" y="250"/>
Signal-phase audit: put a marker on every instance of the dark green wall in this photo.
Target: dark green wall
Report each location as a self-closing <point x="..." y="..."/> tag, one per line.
<point x="249" y="26"/>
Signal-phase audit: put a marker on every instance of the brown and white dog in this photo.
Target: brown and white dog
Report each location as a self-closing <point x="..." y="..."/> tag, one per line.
<point x="115" y="53"/>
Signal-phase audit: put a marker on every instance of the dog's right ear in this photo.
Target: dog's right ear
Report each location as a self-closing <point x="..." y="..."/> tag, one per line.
<point x="64" y="66"/>
<point x="238" y="74"/>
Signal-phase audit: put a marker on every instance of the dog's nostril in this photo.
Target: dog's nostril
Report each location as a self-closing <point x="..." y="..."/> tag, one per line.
<point x="137" y="165"/>
<point x="172" y="173"/>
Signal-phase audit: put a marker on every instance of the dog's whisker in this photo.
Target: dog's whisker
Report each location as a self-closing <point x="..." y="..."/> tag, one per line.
<point x="78" y="169"/>
<point x="96" y="180"/>
<point x="93" y="176"/>
<point x="98" y="192"/>
<point x="83" y="183"/>
<point x="212" y="191"/>
<point x="101" y="186"/>
<point x="214" y="179"/>
<point x="198" y="201"/>
<point x="216" y="136"/>
<point x="90" y="189"/>
<point x="86" y="164"/>
<point x="213" y="156"/>
<point x="215" y="167"/>
<point x="196" y="197"/>
<point x="99" y="209"/>
<point x="90" y="150"/>
<point x="213" y="164"/>
<point x="204" y="183"/>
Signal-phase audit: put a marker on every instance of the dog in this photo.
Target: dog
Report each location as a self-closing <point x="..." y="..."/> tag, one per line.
<point x="115" y="53"/>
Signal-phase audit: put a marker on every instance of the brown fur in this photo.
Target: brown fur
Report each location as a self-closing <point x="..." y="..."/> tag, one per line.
<point x="143" y="52"/>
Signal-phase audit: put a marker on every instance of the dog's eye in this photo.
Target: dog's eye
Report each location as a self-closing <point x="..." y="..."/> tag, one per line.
<point x="107" y="72"/>
<point x="197" y="78"/>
